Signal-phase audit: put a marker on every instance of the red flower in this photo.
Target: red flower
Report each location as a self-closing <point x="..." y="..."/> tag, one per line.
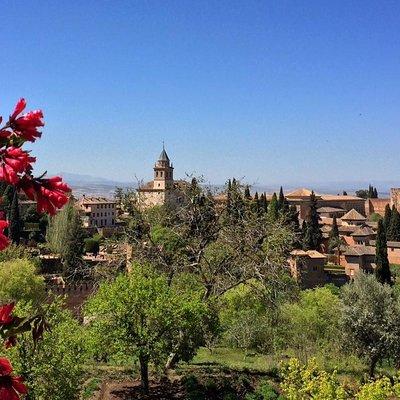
<point x="19" y="107"/>
<point x="5" y="314"/>
<point x="10" y="386"/>
<point x="14" y="160"/>
<point x="26" y="126"/>
<point x="4" y="241"/>
<point x="50" y="193"/>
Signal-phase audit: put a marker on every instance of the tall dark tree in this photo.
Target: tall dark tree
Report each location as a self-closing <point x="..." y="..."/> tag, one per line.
<point x="393" y="230"/>
<point x="303" y="234"/>
<point x="247" y="194"/>
<point x="256" y="202"/>
<point x="229" y="198"/>
<point x="273" y="208"/>
<point x="14" y="220"/>
<point x="375" y="193"/>
<point x="334" y="238"/>
<point x="387" y="217"/>
<point x="263" y="202"/>
<point x="313" y="237"/>
<point x="382" y="270"/>
<point x="293" y="218"/>
<point x="281" y="199"/>
<point x="370" y="192"/>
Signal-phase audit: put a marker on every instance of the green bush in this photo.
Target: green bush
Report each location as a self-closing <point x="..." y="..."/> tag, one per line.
<point x="19" y="281"/>
<point x="54" y="367"/>
<point x="92" y="245"/>
<point x="264" y="392"/>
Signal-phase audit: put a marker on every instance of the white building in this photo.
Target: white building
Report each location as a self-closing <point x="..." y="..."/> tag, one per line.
<point x="97" y="211"/>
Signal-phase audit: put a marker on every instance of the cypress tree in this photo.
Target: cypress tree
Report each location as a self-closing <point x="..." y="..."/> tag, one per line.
<point x="256" y="203"/>
<point x="263" y="202"/>
<point x="370" y="192"/>
<point x="375" y="193"/>
<point x="387" y="217"/>
<point x="293" y="218"/>
<point x="247" y="193"/>
<point x="382" y="270"/>
<point x="334" y="234"/>
<point x="14" y="220"/>
<point x="313" y="237"/>
<point x="281" y="199"/>
<point x="273" y="210"/>
<point x="303" y="234"/>
<point x="229" y="198"/>
<point x="393" y="231"/>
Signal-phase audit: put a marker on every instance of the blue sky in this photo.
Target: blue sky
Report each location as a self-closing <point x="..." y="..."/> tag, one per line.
<point x="272" y="91"/>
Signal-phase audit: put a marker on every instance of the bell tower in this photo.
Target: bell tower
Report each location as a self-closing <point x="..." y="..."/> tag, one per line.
<point x="163" y="172"/>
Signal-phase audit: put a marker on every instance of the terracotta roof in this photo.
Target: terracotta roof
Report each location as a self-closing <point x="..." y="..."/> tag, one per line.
<point x="347" y="228"/>
<point x="329" y="221"/>
<point x="353" y="215"/>
<point x="340" y="197"/>
<point x="303" y="192"/>
<point x="330" y="210"/>
<point x="360" y="250"/>
<point x="308" y="253"/>
<point x="96" y="200"/>
<point x="364" y="231"/>
<point x="390" y="243"/>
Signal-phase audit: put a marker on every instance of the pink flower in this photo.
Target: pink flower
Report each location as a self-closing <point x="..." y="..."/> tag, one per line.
<point x="26" y="126"/>
<point x="4" y="241"/>
<point x="5" y="314"/>
<point x="19" y="107"/>
<point x="10" y="386"/>
<point x="14" y="160"/>
<point x="50" y="193"/>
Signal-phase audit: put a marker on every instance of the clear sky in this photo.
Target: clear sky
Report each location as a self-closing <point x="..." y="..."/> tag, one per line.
<point x="273" y="91"/>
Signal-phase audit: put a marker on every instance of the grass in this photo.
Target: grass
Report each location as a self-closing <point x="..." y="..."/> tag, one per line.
<point x="235" y="359"/>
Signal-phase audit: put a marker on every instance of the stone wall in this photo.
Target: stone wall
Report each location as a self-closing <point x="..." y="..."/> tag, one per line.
<point x="75" y="295"/>
<point x="395" y="197"/>
<point x="376" y="206"/>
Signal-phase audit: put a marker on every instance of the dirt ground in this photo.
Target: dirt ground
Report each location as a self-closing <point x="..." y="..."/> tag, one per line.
<point x="163" y="390"/>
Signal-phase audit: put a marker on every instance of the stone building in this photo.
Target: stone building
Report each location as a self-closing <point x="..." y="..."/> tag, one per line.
<point x="395" y="197"/>
<point x="97" y="212"/>
<point x="307" y="268"/>
<point x="162" y="189"/>
<point x="327" y="203"/>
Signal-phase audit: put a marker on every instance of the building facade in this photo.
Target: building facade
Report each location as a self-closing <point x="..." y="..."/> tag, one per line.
<point x="97" y="212"/>
<point x="162" y="189"/>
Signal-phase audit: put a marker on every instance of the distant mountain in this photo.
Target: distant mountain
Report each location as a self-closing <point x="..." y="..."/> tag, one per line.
<point x="98" y="186"/>
<point x="73" y="179"/>
<point x="92" y="185"/>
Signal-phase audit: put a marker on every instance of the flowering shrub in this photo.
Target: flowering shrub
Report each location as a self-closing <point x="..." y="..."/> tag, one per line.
<point x="50" y="194"/>
<point x="300" y="382"/>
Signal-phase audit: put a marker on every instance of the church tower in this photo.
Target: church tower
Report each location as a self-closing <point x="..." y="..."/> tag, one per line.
<point x="163" y="172"/>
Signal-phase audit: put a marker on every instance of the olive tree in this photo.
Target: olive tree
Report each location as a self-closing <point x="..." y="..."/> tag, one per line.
<point x="371" y="319"/>
<point x="144" y="316"/>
